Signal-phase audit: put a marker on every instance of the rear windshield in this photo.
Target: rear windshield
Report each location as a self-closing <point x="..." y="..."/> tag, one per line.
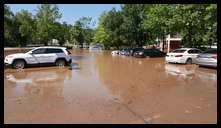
<point x="179" y="51"/>
<point x="212" y="51"/>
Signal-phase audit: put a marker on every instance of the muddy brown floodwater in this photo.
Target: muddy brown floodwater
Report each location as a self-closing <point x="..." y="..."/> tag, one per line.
<point x="101" y="88"/>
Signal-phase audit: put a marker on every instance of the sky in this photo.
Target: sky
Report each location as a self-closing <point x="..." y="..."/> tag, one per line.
<point x="70" y="12"/>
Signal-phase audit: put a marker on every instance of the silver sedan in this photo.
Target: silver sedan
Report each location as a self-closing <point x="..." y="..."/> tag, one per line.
<point x="208" y="58"/>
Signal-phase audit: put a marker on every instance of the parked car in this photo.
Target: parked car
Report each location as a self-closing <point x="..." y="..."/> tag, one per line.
<point x="149" y="52"/>
<point x="59" y="56"/>
<point x="208" y="58"/>
<point x="123" y="51"/>
<point x="115" y="52"/>
<point x="127" y="52"/>
<point x="183" y="55"/>
<point x="133" y="50"/>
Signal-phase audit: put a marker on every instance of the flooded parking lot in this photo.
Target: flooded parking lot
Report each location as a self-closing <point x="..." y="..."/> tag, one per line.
<point x="101" y="88"/>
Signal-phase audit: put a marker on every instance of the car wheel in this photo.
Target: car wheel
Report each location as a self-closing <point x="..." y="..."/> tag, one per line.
<point x="19" y="64"/>
<point x="60" y="62"/>
<point x="189" y="61"/>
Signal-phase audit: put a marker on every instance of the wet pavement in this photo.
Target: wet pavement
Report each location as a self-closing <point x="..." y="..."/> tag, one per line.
<point x="101" y="88"/>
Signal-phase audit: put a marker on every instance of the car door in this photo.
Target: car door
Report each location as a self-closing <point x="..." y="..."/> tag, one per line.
<point x="38" y="54"/>
<point x="30" y="59"/>
<point x="193" y="54"/>
<point x="51" y="55"/>
<point x="148" y="52"/>
<point x="155" y="53"/>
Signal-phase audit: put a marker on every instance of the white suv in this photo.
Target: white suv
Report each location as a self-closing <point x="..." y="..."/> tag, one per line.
<point x="41" y="55"/>
<point x="183" y="55"/>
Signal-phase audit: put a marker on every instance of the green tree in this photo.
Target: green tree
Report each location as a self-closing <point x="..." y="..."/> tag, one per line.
<point x="133" y="32"/>
<point x="11" y="34"/>
<point x="61" y="32"/>
<point x="112" y="24"/>
<point x="210" y="37"/>
<point x="81" y="31"/>
<point x="46" y="17"/>
<point x="199" y="24"/>
<point x="77" y="33"/>
<point x="26" y="26"/>
<point x="160" y="20"/>
<point x="196" y="22"/>
<point x="100" y="35"/>
<point x="88" y="34"/>
<point x="67" y="31"/>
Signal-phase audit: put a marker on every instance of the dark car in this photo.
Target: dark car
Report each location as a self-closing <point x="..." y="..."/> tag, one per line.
<point x="122" y="51"/>
<point x="127" y="51"/>
<point x="133" y="50"/>
<point x="150" y="52"/>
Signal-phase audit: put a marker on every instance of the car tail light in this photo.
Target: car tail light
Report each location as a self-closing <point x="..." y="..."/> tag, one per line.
<point x="178" y="55"/>
<point x="214" y="57"/>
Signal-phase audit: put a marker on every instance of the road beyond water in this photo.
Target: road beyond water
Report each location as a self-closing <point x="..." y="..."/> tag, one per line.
<point x="100" y="88"/>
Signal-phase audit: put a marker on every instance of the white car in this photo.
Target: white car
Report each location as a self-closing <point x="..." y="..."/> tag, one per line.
<point x="183" y="55"/>
<point x="115" y="52"/>
<point x="41" y="55"/>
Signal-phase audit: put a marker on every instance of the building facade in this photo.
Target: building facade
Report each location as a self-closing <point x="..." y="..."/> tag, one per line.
<point x="173" y="41"/>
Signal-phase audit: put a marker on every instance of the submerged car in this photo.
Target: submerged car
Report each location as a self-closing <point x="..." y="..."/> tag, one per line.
<point x="150" y="52"/>
<point x="59" y="56"/>
<point x="133" y="50"/>
<point x="183" y="55"/>
<point x="115" y="52"/>
<point x="127" y="51"/>
<point x="208" y="58"/>
<point x="122" y="51"/>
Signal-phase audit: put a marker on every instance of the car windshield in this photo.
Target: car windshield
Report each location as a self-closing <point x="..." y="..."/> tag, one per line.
<point x="211" y="51"/>
<point x="179" y="51"/>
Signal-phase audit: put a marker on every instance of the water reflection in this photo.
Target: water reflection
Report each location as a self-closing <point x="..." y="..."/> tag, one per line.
<point x="36" y="81"/>
<point x="130" y="77"/>
<point x="180" y="71"/>
<point x="134" y="78"/>
<point x="149" y="86"/>
<point x="192" y="72"/>
<point x="79" y="57"/>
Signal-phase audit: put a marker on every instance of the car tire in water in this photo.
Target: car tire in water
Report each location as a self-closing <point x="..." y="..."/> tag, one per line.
<point x="189" y="61"/>
<point x="60" y="62"/>
<point x="18" y="64"/>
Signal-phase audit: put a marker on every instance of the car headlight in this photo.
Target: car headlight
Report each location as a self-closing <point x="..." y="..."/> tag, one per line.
<point x="140" y="53"/>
